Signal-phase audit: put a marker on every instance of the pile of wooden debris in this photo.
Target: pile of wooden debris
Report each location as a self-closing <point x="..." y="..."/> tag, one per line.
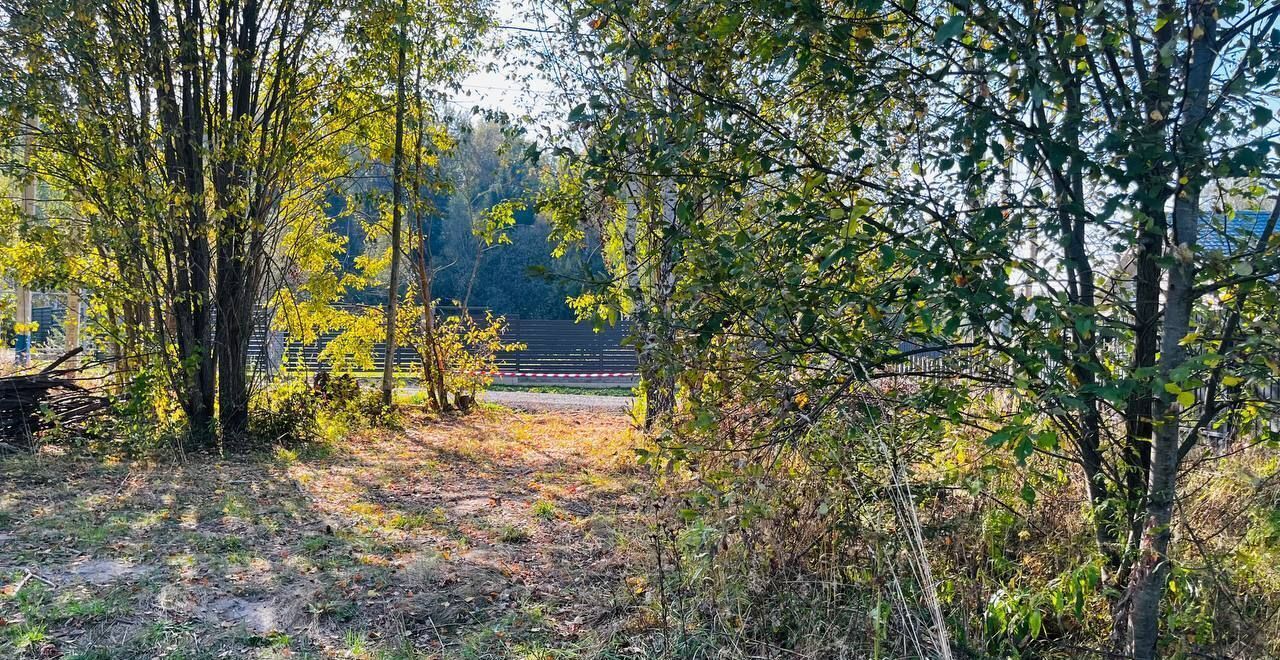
<point x="50" y="398"/>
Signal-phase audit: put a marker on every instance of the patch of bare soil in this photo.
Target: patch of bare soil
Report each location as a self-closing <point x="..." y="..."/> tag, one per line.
<point x="495" y="535"/>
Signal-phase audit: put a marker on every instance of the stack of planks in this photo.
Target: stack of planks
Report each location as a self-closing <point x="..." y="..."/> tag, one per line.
<point x="34" y="402"/>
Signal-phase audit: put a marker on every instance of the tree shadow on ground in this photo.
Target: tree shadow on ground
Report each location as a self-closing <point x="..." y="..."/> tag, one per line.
<point x="493" y="535"/>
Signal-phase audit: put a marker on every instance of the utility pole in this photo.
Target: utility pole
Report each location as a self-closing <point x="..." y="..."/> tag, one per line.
<point x="22" y="328"/>
<point x="71" y="326"/>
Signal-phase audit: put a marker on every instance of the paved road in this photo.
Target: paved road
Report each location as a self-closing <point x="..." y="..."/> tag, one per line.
<point x="542" y="401"/>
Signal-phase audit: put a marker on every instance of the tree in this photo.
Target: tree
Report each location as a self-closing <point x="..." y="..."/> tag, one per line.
<point x="430" y="55"/>
<point x="957" y="193"/>
<point x="1116" y="114"/>
<point x="397" y="183"/>
<point x="629" y="187"/>
<point x="189" y="139"/>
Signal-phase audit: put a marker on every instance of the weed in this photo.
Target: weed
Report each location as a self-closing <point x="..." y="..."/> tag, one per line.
<point x="313" y="545"/>
<point x="357" y="642"/>
<point x="236" y="507"/>
<point x="544" y="509"/>
<point x="27" y="635"/>
<point x="286" y="456"/>
<point x="336" y="610"/>
<point x="91" y="654"/>
<point x="412" y="521"/>
<point x="513" y="534"/>
<point x="274" y="639"/>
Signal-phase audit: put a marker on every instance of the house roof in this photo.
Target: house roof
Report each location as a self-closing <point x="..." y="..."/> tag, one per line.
<point x="1229" y="234"/>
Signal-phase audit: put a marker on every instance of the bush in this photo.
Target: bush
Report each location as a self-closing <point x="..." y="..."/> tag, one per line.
<point x="336" y="390"/>
<point x="145" y="420"/>
<point x="286" y="415"/>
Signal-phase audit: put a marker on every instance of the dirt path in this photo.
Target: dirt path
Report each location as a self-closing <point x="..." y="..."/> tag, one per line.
<point x="497" y="535"/>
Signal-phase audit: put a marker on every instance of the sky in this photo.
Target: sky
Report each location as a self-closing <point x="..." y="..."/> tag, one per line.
<point x="507" y="81"/>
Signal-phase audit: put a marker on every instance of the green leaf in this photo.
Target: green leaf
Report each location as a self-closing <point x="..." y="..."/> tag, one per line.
<point x="1187" y="399"/>
<point x="1028" y="494"/>
<point x="860" y="208"/>
<point x="726" y="25"/>
<point x="950" y="30"/>
<point x="1023" y="450"/>
<point x="887" y="256"/>
<point x="1262" y="115"/>
<point x="999" y="438"/>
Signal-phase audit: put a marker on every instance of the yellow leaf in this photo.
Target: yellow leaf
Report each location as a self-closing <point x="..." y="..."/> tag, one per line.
<point x="1187" y="399"/>
<point x="1081" y="41"/>
<point x="1231" y="381"/>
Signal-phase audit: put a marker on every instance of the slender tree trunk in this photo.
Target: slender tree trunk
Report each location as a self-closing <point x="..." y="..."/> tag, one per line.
<point x="642" y="317"/>
<point x="432" y="361"/>
<point x="1152" y="225"/>
<point x="182" y="132"/>
<point x="71" y="324"/>
<point x="1150" y="576"/>
<point x="1068" y="182"/>
<point x="235" y="288"/>
<point x="432" y="364"/>
<point x="660" y="382"/>
<point x="475" y="270"/>
<point x="397" y="167"/>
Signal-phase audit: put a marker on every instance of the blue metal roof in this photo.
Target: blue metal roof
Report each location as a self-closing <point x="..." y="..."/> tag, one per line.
<point x="1230" y="234"/>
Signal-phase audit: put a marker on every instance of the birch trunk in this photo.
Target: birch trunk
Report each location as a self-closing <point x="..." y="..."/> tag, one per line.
<point x="1151" y="572"/>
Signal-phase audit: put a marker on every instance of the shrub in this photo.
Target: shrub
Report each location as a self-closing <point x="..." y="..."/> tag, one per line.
<point x="336" y="390"/>
<point x="285" y="415"/>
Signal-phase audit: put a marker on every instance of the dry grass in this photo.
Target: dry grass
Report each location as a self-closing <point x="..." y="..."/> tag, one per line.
<point x="495" y="535"/>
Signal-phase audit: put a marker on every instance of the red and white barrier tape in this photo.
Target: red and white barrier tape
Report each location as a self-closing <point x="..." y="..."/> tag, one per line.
<point x="532" y="374"/>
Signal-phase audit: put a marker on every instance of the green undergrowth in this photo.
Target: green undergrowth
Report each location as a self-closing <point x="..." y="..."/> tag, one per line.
<point x="801" y="547"/>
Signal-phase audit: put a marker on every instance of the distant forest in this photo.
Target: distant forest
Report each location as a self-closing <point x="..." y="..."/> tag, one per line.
<point x="516" y="276"/>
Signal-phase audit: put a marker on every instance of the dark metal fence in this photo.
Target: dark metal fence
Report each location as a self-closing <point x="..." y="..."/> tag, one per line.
<point x="552" y="347"/>
<point x="557" y="347"/>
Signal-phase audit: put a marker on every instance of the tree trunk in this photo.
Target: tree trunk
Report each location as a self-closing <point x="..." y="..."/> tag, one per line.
<point x="659" y="381"/>
<point x="235" y="324"/>
<point x="22" y="317"/>
<point x="432" y="364"/>
<point x="182" y="133"/>
<point x="1152" y="225"/>
<point x="642" y="317"/>
<point x="1068" y="182"/>
<point x="235" y="289"/>
<point x="1151" y="573"/>
<point x="71" y="323"/>
<point x="397" y="167"/>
